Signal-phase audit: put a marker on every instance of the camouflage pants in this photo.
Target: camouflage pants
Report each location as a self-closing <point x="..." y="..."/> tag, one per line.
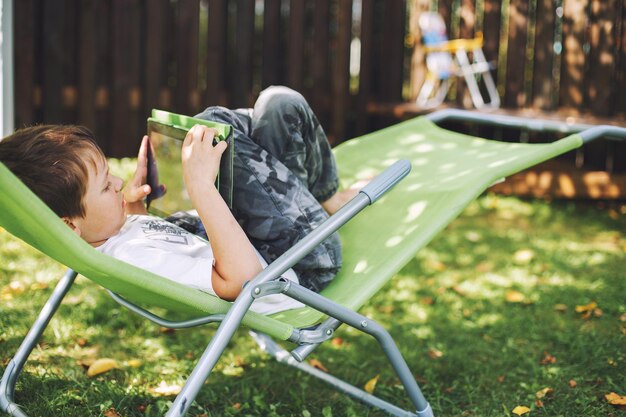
<point x="283" y="169"/>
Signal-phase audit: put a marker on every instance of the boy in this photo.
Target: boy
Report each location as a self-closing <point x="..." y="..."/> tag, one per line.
<point x="285" y="182"/>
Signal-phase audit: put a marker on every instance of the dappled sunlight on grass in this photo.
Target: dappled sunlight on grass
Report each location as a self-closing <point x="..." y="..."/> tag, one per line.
<point x="496" y="308"/>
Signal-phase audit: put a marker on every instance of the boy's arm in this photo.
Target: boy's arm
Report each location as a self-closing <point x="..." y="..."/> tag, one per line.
<point x="136" y="189"/>
<point x="235" y="258"/>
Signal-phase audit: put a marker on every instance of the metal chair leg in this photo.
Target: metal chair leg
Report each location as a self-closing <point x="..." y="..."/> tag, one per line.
<point x="12" y="372"/>
<point x="271" y="347"/>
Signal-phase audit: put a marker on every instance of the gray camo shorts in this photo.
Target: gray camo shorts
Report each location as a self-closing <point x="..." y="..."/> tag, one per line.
<point x="283" y="169"/>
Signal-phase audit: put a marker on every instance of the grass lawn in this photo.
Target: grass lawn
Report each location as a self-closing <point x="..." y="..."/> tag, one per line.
<point x="516" y="304"/>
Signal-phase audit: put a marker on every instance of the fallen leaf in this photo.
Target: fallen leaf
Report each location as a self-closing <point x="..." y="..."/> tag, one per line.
<point x="587" y="307"/>
<point x="39" y="286"/>
<point x="240" y="361"/>
<point x="615" y="399"/>
<point x="100" y="366"/>
<point x="371" y="384"/>
<point x="588" y="310"/>
<point x="622" y="318"/>
<point x="166" y="330"/>
<point x="237" y="406"/>
<point x="484" y="267"/>
<point x="547" y="359"/>
<point x="427" y="300"/>
<point x="514" y="296"/>
<point x="337" y="342"/>
<point x="523" y="256"/>
<point x="473" y="236"/>
<point x="317" y="364"/>
<point x="14" y="288"/>
<point x="232" y="370"/>
<point x="437" y="266"/>
<point x="459" y="290"/>
<point x="539" y="403"/>
<point x="166" y="389"/>
<point x="543" y="393"/>
<point x="560" y="308"/>
<point x="572" y="383"/>
<point x="386" y="309"/>
<point x="111" y="412"/>
<point x="521" y="410"/>
<point x="134" y="363"/>
<point x="435" y="353"/>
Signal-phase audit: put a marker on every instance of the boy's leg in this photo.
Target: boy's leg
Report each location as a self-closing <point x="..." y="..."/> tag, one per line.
<point x="284" y="124"/>
<point x="274" y="206"/>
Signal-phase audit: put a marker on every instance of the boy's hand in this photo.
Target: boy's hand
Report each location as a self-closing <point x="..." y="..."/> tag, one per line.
<point x="136" y="189"/>
<point x="200" y="159"/>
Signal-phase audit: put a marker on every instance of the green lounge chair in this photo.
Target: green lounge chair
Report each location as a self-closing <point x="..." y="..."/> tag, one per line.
<point x="449" y="170"/>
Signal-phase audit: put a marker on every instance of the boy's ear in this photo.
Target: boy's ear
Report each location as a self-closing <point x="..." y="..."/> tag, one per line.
<point x="72" y="224"/>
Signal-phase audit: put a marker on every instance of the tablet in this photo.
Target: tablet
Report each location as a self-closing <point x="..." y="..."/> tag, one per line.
<point x="166" y="131"/>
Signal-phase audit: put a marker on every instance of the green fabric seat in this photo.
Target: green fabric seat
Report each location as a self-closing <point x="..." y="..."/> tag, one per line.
<point x="449" y="171"/>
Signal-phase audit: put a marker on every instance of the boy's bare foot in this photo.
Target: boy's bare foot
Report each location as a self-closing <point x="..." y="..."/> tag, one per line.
<point x="340" y="198"/>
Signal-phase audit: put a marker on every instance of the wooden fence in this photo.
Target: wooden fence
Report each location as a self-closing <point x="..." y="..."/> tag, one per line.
<point x="106" y="63"/>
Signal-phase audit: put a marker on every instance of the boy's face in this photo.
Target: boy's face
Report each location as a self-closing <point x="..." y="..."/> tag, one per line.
<point x="104" y="205"/>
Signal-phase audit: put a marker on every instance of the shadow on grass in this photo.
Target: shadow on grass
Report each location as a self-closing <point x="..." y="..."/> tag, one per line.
<point x="485" y="316"/>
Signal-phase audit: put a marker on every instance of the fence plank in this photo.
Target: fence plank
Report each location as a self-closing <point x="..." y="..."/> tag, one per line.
<point x="25" y="33"/>
<point x="241" y="81"/>
<point x="366" y="63"/>
<point x="295" y="45"/>
<point x="187" y="30"/>
<point x="573" y="58"/>
<point x="418" y="57"/>
<point x="602" y="74"/>
<point x="271" y="56"/>
<point x="340" y="70"/>
<point x="466" y="31"/>
<point x="154" y="51"/>
<point x="600" y="77"/>
<point x="492" y="22"/>
<point x="216" y="55"/>
<point x="125" y="80"/>
<point x="620" y="36"/>
<point x="620" y="101"/>
<point x="444" y="7"/>
<point x="87" y="69"/>
<point x="515" y="95"/>
<point x="543" y="66"/>
<point x="103" y="76"/>
<point x="320" y="63"/>
<point x="393" y="44"/>
<point x="70" y="71"/>
<point x="53" y="56"/>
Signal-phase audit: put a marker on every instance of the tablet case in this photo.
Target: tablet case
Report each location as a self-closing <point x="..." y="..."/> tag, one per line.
<point x="176" y="126"/>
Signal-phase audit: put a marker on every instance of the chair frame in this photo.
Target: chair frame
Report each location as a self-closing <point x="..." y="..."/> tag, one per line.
<point x="268" y="282"/>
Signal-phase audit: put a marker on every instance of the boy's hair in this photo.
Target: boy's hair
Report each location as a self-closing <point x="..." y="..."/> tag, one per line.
<point x="52" y="161"/>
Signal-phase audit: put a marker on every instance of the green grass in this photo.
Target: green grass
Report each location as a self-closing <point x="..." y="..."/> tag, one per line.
<point x="485" y="316"/>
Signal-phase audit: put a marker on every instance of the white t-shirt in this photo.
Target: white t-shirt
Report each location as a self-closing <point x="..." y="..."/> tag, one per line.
<point x="169" y="251"/>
